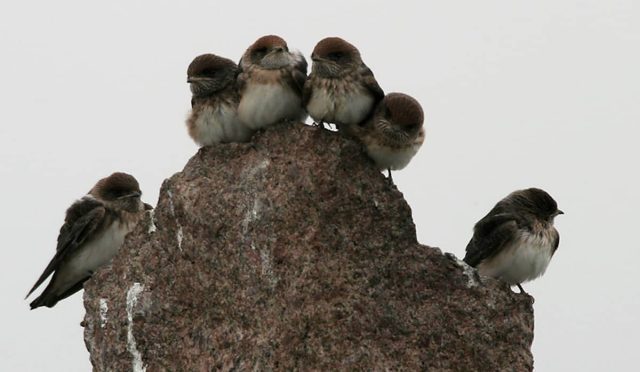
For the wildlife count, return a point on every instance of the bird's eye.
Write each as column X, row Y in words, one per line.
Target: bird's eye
column 411, row 126
column 335, row 56
column 209, row 72
column 115, row 193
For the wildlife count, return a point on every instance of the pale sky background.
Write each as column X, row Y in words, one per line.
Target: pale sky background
column 516, row 93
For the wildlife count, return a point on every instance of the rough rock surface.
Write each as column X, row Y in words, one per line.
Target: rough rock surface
column 294, row 252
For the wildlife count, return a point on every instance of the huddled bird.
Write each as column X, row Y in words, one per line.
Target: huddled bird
column 94, row 229
column 270, row 83
column 394, row 133
column 515, row 241
column 340, row 89
column 214, row 103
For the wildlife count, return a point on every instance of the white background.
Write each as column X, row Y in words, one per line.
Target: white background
column 516, row 94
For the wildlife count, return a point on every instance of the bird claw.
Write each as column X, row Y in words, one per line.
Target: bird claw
column 390, row 178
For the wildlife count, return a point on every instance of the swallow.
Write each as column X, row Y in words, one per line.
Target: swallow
column 394, row 132
column 516, row 240
column 270, row 83
column 214, row 102
column 340, row 89
column 94, row 229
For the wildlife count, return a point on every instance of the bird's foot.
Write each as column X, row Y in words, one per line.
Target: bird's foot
column 320, row 124
column 390, row 178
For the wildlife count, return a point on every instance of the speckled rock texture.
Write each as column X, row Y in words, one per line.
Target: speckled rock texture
column 294, row 253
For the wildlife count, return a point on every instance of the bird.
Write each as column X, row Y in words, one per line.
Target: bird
column 394, row 132
column 270, row 83
column 340, row 89
column 214, row 104
column 516, row 240
column 94, row 229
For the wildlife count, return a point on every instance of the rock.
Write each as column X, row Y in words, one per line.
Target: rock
column 294, row 252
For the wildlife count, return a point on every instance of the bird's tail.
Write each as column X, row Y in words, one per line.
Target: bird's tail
column 45, row 299
column 50, row 296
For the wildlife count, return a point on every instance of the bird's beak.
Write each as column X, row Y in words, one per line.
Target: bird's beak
column 147, row 207
column 189, row 80
column 559, row 212
column 315, row 58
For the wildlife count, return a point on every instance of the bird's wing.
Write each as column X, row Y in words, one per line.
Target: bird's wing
column 241, row 81
column 298, row 73
column 307, row 90
column 371, row 83
column 556, row 241
column 83, row 218
column 490, row 234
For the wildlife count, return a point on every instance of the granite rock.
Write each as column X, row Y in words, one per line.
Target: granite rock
column 294, row 252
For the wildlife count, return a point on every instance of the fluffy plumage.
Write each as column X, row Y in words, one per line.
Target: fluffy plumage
column 341, row 89
column 93, row 231
column 394, row 133
column 515, row 241
column 270, row 83
column 214, row 103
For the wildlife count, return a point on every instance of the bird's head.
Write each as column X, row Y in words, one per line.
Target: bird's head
column 268, row 52
column 121, row 191
column 210, row 73
column 333, row 56
column 399, row 114
column 537, row 202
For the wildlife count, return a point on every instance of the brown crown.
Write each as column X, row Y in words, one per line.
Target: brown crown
column 403, row 109
column 209, row 62
column 535, row 200
column 330, row 45
column 268, row 42
column 117, row 183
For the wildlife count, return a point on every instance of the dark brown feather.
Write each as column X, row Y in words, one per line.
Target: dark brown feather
column 491, row 234
column 83, row 219
column 523, row 209
column 370, row 82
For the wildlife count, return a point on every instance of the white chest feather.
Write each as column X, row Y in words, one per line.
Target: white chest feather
column 392, row 158
column 262, row 105
column 347, row 108
column 524, row 260
column 216, row 124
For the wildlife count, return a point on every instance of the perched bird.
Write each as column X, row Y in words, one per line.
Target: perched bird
column 94, row 229
column 270, row 83
column 214, row 103
column 341, row 89
column 515, row 241
column 394, row 133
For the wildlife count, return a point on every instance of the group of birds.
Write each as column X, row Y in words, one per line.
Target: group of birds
column 270, row 85
column 514, row 242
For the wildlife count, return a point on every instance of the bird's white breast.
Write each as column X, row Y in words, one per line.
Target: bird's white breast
column 525, row 259
column 392, row 158
column 219, row 123
column 262, row 105
column 346, row 108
